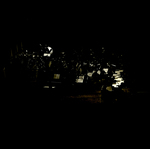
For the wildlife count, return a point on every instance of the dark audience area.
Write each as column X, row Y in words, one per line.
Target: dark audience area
column 73, row 66
column 29, row 76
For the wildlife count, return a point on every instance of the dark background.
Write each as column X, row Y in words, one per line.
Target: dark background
column 122, row 28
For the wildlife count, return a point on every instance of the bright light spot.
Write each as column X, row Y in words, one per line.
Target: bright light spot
column 94, row 71
column 98, row 72
column 106, row 70
column 91, row 64
column 37, row 55
column 118, row 83
column 84, row 63
column 24, row 54
column 114, row 85
column 49, row 48
column 26, row 50
column 47, row 54
column 115, row 75
column 53, row 86
column 117, row 71
column 118, row 79
column 79, row 80
column 89, row 74
column 33, row 55
column 62, row 52
column 81, row 77
column 45, row 86
column 56, row 76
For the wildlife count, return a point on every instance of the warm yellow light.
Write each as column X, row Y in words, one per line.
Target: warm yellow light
column 56, row 76
column 109, row 88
